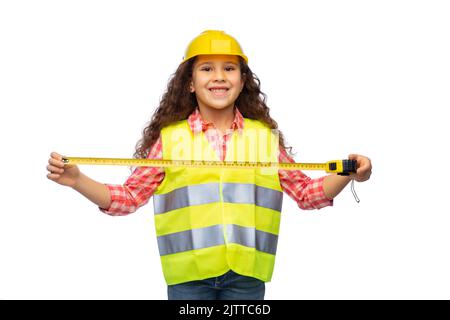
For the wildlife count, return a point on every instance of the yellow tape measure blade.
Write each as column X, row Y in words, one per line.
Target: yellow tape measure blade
column 337, row 166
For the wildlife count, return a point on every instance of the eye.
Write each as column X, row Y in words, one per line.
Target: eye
column 230, row 68
column 206, row 68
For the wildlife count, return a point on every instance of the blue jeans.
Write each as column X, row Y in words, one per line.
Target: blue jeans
column 229, row 286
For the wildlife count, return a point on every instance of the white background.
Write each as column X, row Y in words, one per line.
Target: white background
column 372, row 77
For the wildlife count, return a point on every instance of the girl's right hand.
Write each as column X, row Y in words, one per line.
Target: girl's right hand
column 66, row 175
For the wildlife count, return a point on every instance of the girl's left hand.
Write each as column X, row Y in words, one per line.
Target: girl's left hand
column 363, row 167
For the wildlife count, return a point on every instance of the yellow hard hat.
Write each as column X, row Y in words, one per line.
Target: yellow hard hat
column 213, row 42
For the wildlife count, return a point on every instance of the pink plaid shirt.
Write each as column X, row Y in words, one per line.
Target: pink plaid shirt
column 142, row 183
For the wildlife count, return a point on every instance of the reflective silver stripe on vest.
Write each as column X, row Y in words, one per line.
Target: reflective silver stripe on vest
column 213, row 236
column 250, row 193
column 250, row 237
column 209, row 193
column 187, row 196
column 191, row 240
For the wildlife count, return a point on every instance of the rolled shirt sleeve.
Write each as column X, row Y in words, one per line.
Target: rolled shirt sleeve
column 138, row 188
column 306, row 192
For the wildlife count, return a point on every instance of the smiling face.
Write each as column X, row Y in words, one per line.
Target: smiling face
column 216, row 81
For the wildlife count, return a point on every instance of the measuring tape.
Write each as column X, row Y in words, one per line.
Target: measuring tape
column 341, row 167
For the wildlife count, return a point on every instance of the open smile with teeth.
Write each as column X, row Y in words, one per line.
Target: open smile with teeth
column 219, row 91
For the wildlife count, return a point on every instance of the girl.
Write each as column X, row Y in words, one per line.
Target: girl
column 217, row 230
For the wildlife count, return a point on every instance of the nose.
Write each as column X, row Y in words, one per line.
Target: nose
column 219, row 75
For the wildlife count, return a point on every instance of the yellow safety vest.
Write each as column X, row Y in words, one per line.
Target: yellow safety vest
column 209, row 221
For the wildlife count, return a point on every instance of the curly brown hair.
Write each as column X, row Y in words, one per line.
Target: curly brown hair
column 178, row 103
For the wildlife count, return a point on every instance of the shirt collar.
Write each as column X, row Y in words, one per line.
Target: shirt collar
column 197, row 124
